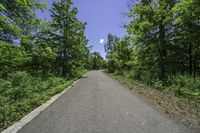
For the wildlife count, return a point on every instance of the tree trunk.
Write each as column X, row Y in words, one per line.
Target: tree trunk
column 190, row 59
column 195, row 65
column 162, row 51
column 64, row 69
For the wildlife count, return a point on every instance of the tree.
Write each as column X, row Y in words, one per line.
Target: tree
column 163, row 40
column 151, row 29
column 110, row 49
column 187, row 32
column 97, row 61
column 17, row 19
column 68, row 36
column 18, row 24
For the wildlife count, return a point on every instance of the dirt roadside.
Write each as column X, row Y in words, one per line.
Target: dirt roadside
column 185, row 111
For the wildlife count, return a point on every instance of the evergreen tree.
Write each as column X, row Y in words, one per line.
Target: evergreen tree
column 68, row 35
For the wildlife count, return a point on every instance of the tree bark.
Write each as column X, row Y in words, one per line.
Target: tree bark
column 190, row 59
column 162, row 50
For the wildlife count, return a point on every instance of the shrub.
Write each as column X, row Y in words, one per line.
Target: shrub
column 20, row 86
column 12, row 58
column 185, row 85
column 158, row 84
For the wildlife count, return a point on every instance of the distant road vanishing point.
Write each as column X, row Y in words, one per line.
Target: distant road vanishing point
column 98, row 104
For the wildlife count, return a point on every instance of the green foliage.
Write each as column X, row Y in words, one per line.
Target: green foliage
column 96, row 62
column 56, row 46
column 163, row 41
column 38, row 58
column 68, row 34
column 187, row 11
column 185, row 85
column 19, row 17
column 12, row 57
column 22, row 92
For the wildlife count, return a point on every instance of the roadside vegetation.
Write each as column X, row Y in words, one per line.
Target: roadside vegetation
column 160, row 50
column 22, row 92
column 39, row 57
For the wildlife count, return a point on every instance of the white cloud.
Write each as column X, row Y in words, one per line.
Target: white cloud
column 101, row 41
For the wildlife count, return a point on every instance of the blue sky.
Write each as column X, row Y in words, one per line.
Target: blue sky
column 102, row 17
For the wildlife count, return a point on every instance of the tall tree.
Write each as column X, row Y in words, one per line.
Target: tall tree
column 96, row 61
column 68, row 35
column 110, row 49
column 187, row 32
column 151, row 28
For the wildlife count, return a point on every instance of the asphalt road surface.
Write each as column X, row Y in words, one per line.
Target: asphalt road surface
column 98, row 104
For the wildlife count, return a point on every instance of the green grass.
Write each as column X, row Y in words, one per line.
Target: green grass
column 22, row 92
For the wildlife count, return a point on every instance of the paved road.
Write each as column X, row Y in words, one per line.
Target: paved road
column 98, row 104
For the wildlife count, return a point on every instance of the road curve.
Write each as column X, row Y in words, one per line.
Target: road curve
column 98, row 104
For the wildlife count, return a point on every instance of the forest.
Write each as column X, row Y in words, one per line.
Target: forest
column 162, row 46
column 40, row 58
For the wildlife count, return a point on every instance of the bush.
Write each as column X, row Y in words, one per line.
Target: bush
column 22, row 92
column 12, row 58
column 158, row 84
column 185, row 85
